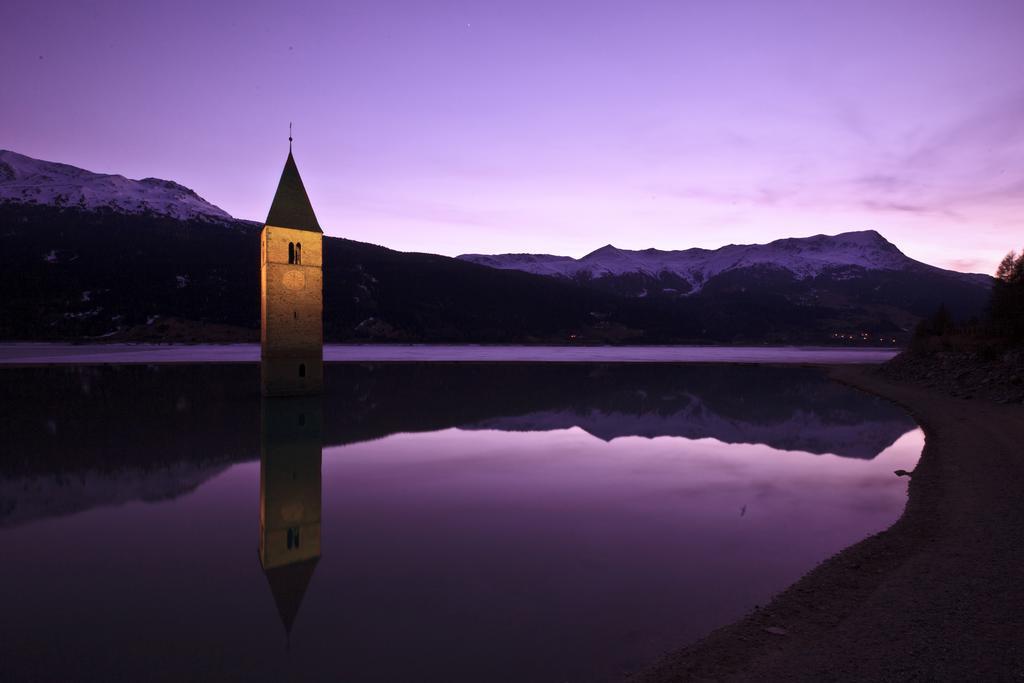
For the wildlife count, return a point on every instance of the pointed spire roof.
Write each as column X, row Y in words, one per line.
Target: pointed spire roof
column 288, row 584
column 291, row 207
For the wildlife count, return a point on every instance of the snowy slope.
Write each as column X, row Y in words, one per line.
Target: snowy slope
column 804, row 257
column 31, row 181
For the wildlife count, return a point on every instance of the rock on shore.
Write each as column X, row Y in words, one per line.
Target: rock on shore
column 994, row 375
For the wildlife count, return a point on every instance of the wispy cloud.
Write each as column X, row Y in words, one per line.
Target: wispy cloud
column 976, row 159
column 986, row 134
column 919, row 209
column 968, row 265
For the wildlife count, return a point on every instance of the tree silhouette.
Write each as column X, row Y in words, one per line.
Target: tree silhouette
column 936, row 325
column 1007, row 307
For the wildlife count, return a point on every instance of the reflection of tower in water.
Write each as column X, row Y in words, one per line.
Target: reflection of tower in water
column 290, row 445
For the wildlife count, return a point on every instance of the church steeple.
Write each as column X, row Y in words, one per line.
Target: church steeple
column 291, row 292
column 291, row 207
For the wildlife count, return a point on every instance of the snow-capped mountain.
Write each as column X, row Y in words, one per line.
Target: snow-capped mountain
column 64, row 273
column 687, row 271
column 32, row 181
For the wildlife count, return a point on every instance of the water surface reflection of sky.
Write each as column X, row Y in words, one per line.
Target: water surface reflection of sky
column 542, row 523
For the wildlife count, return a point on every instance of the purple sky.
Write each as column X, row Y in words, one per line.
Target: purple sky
column 548, row 126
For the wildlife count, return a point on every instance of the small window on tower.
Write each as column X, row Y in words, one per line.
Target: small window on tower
column 291, row 252
column 302, row 369
column 298, row 252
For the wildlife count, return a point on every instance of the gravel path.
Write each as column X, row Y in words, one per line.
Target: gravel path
column 939, row 596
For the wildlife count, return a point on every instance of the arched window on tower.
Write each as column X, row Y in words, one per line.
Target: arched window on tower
column 298, row 252
column 302, row 369
column 291, row 252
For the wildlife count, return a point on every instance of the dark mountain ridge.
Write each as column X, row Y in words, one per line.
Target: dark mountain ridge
column 74, row 274
column 103, row 267
column 857, row 278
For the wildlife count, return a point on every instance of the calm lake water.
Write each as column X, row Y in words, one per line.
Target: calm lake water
column 419, row 522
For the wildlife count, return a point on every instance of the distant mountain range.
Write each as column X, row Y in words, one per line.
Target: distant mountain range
column 89, row 255
column 683, row 273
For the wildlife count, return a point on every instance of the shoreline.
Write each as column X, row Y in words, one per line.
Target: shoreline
column 54, row 354
column 936, row 596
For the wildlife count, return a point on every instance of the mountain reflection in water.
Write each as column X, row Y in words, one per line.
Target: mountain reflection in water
column 420, row 521
column 156, row 432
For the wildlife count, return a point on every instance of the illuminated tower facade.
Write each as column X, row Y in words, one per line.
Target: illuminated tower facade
column 291, row 291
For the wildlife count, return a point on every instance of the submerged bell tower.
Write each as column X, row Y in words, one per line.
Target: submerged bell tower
column 291, row 291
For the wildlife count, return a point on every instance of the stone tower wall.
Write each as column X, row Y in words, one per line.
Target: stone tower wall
column 291, row 303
